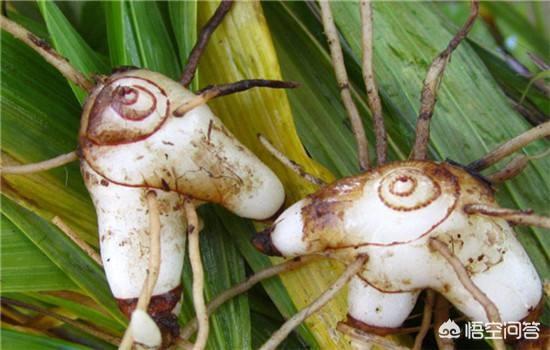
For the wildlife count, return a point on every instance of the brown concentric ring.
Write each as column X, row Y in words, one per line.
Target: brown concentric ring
column 424, row 203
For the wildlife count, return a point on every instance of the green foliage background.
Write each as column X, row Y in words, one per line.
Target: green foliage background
column 40, row 117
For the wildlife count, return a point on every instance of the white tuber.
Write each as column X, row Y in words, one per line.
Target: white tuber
column 390, row 213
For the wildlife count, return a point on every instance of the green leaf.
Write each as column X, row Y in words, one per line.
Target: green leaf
column 241, row 231
column 224, row 267
column 320, row 118
column 138, row 36
column 80, row 268
column 24, row 267
column 82, row 309
column 515, row 85
column 16, row 340
column 70, row 44
column 183, row 17
column 152, row 38
column 40, row 120
column 90, row 23
column 453, row 15
column 541, row 75
column 519, row 35
column 120, row 35
column 264, row 327
column 483, row 42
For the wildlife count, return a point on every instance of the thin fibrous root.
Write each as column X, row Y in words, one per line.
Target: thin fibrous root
column 198, row 274
column 182, row 344
column 538, row 61
column 154, row 252
column 280, row 335
column 373, row 98
column 49, row 164
column 411, row 330
column 462, row 274
column 343, row 82
column 57, row 221
column 514, row 167
column 153, row 268
column 214, row 91
column 426, row 319
column 431, row 86
column 202, row 40
column 48, row 53
column 191, row 327
column 441, row 314
column 368, row 338
column 511, row 146
column 76, row 324
column 520, row 217
column 289, row 163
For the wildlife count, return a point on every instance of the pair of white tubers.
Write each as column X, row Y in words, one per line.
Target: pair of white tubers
column 142, row 132
column 132, row 142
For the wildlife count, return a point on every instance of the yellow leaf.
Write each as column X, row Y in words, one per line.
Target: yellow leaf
column 241, row 48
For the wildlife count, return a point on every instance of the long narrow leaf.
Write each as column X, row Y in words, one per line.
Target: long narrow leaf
column 152, row 40
column 230, row 324
column 183, row 17
column 80, row 306
column 16, row 340
column 70, row 44
column 64, row 253
column 241, row 232
column 24, row 267
column 40, row 120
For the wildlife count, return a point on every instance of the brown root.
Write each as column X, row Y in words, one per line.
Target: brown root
column 198, row 274
column 191, row 327
column 519, row 217
column 77, row 240
column 511, row 146
column 48, row 53
column 373, row 98
column 76, row 324
column 441, row 314
column 343, row 82
column 462, row 274
column 153, row 268
column 289, row 163
column 202, row 40
column 426, row 319
column 49, row 164
column 277, row 337
column 213, row 91
column 431, row 86
column 366, row 338
column 512, row 169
